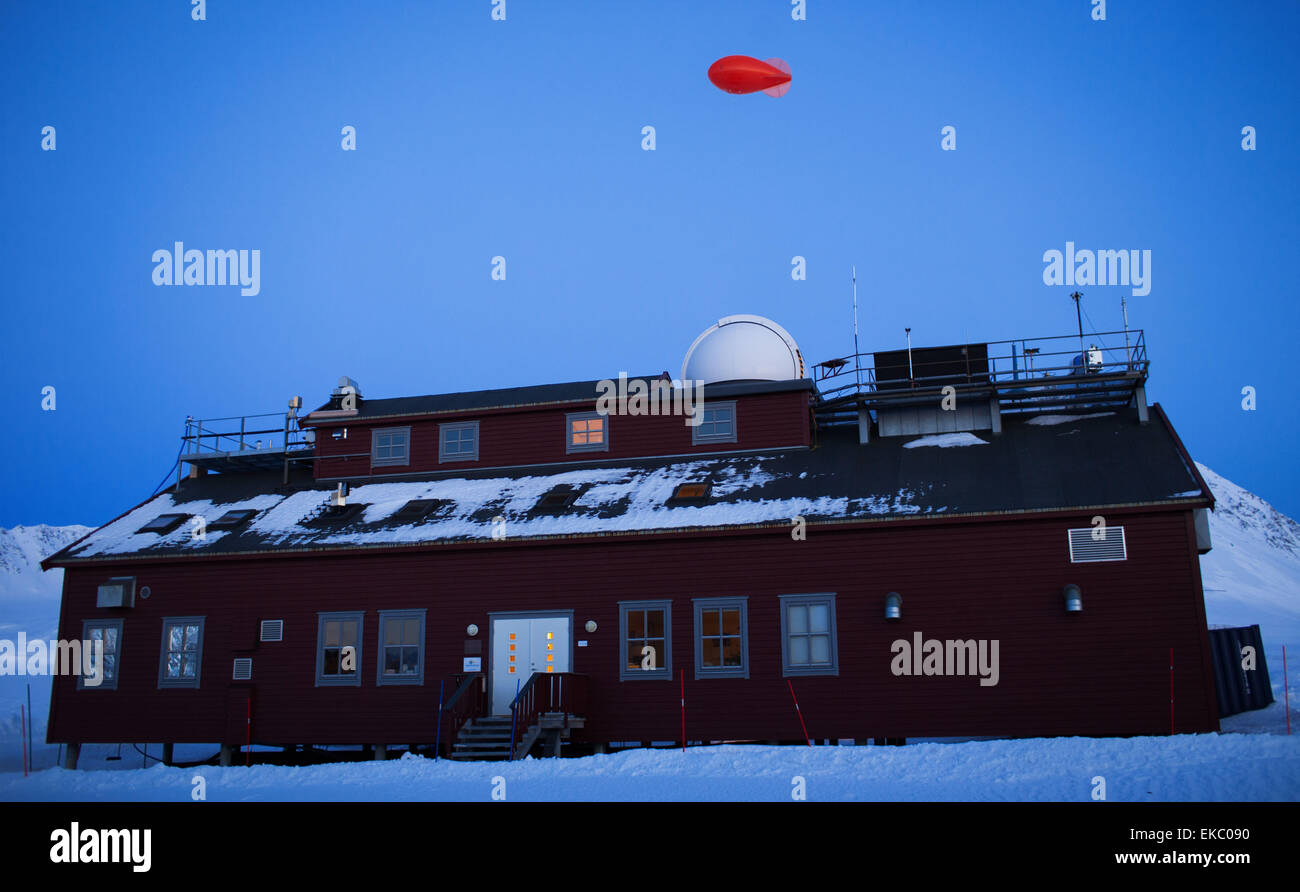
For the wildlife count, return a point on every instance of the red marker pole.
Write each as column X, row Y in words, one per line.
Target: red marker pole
column 682, row 676
column 799, row 711
column 248, row 754
column 1171, row 690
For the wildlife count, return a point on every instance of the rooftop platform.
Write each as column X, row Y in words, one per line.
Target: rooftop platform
column 1101, row 371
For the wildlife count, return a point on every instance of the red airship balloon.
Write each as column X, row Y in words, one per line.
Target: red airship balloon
column 743, row 74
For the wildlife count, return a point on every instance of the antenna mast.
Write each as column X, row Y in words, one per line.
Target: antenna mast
column 857, row 363
column 1078, row 315
column 1128, row 355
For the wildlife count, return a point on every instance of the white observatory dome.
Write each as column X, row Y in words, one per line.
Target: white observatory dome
column 743, row 348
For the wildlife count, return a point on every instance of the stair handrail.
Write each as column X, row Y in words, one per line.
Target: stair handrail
column 464, row 704
column 564, row 692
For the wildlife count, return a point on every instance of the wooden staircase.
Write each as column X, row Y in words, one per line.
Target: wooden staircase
column 485, row 738
column 549, row 706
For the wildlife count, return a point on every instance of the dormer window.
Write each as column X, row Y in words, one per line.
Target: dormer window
column 718, row 424
column 587, row 432
column 458, row 441
column 390, row 446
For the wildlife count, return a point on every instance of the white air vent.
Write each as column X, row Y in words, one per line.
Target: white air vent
column 243, row 669
column 117, row 592
column 272, row 630
column 1097, row 544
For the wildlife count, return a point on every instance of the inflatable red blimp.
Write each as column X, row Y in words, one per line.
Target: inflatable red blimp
column 743, row 74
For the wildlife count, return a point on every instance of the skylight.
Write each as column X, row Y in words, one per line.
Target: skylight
column 690, row 492
column 418, row 509
column 555, row 501
column 163, row 523
column 335, row 515
column 233, row 518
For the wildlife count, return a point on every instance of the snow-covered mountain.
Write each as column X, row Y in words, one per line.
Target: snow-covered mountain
column 1252, row 575
column 29, row 602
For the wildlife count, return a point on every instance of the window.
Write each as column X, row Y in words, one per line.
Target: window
column 182, row 652
column 587, row 432
column 110, row 632
column 556, row 501
column 641, row 625
column 719, row 424
column 689, row 494
column 401, row 647
column 417, row 510
column 1101, row 543
column 458, row 442
column 390, row 446
column 721, row 638
column 232, row 519
column 338, row 648
column 808, row 643
column 163, row 523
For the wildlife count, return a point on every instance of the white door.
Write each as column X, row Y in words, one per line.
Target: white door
column 521, row 647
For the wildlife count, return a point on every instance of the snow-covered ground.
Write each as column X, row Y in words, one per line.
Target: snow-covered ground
column 1251, row 576
column 1184, row 768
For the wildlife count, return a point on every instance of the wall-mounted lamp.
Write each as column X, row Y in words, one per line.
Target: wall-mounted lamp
column 1073, row 599
column 590, row 626
column 893, row 606
column 471, row 630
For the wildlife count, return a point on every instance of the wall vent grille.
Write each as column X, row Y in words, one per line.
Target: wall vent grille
column 1097, row 544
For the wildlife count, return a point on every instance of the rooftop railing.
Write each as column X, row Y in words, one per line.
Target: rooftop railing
column 1021, row 373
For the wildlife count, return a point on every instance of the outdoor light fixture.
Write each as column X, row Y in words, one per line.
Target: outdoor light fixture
column 591, row 625
column 471, row 630
column 1073, row 599
column 893, row 606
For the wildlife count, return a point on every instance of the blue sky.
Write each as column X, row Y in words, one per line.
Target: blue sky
column 522, row 138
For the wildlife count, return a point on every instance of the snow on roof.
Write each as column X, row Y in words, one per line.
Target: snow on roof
column 611, row 500
column 1064, row 419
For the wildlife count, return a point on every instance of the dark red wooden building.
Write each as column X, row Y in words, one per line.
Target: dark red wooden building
column 942, row 542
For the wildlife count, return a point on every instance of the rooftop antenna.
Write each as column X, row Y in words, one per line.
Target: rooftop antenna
column 1078, row 314
column 908, row 332
column 857, row 363
column 1128, row 356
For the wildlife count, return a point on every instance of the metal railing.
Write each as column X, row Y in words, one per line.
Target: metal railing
column 564, row 692
column 235, row 433
column 1024, row 365
column 469, row 701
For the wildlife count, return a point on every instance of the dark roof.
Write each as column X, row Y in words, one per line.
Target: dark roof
column 1079, row 463
column 537, row 395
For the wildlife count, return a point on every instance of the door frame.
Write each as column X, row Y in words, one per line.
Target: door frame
column 494, row 615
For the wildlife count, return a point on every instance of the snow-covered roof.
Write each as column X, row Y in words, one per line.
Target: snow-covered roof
column 1098, row 461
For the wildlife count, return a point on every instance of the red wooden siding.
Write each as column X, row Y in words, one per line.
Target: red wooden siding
column 1104, row 671
column 512, row 437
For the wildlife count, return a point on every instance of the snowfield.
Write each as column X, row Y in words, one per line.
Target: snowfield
column 1203, row 767
column 1251, row 576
